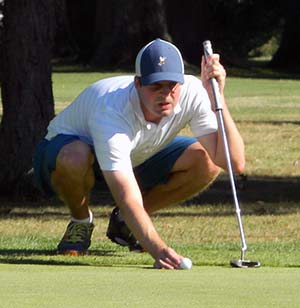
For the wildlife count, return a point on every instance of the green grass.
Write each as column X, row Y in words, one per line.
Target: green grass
column 263, row 100
column 67, row 86
column 267, row 114
column 208, row 234
column 32, row 275
column 45, row 286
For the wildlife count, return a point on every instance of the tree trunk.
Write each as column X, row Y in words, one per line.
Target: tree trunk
column 1, row 39
column 81, row 22
column 26, row 88
column 123, row 27
column 287, row 56
column 189, row 24
column 65, row 47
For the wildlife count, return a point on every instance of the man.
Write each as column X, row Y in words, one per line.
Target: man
column 129, row 125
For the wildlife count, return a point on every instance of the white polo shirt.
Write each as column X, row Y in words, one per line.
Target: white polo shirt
column 108, row 116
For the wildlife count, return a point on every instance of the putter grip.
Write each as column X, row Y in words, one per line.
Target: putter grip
column 213, row 82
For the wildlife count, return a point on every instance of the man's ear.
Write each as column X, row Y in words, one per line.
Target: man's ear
column 137, row 82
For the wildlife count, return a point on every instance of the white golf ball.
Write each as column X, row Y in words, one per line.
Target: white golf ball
column 186, row 263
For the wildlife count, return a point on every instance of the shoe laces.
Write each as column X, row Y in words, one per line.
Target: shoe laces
column 77, row 232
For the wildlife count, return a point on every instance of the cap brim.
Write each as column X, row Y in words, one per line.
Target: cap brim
column 163, row 76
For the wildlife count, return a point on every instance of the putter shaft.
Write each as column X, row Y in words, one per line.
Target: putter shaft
column 218, row 107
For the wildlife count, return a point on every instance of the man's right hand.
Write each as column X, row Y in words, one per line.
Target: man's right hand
column 168, row 259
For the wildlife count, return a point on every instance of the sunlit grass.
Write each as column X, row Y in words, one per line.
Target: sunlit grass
column 207, row 233
column 67, row 86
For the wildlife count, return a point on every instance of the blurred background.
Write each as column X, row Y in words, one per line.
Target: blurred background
column 109, row 33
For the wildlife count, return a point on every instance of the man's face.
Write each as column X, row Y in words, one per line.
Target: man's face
column 159, row 99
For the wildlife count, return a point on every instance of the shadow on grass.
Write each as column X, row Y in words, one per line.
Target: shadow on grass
column 253, row 189
column 31, row 261
column 32, row 256
column 250, row 68
column 38, row 213
column 258, row 195
column 35, row 257
column 275, row 123
column 254, row 68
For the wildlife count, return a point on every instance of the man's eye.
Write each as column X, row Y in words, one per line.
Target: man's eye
column 172, row 85
column 155, row 87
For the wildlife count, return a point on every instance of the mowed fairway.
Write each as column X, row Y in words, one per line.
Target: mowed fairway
column 77, row 286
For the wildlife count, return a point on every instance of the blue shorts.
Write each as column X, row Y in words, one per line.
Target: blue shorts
column 153, row 171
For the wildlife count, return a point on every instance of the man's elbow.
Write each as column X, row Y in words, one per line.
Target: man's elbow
column 239, row 166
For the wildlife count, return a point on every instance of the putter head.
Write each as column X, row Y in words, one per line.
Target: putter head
column 244, row 263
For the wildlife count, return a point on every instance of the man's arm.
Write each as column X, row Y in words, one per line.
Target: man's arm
column 214, row 142
column 127, row 195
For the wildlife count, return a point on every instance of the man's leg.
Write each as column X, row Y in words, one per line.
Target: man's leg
column 63, row 165
column 192, row 172
column 73, row 178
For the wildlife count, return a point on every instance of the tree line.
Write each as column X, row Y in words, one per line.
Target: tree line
column 107, row 34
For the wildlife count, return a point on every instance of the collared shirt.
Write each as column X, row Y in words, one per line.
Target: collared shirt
column 108, row 116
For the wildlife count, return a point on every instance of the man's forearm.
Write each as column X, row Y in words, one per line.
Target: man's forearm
column 139, row 222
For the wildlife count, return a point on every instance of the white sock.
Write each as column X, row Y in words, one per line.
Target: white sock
column 87, row 220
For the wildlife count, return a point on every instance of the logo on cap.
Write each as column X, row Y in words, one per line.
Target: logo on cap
column 162, row 60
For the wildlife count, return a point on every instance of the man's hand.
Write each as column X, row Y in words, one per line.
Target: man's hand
column 168, row 259
column 212, row 68
column 213, row 143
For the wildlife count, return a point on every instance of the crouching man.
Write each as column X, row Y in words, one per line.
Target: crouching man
column 126, row 128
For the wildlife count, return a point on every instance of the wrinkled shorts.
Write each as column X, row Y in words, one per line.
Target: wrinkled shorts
column 153, row 171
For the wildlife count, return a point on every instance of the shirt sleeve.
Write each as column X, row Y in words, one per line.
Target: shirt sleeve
column 203, row 120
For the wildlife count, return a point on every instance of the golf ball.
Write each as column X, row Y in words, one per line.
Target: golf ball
column 186, row 263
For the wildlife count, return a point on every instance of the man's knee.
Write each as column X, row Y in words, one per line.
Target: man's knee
column 198, row 162
column 75, row 158
column 205, row 168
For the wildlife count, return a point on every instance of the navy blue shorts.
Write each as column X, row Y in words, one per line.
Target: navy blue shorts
column 153, row 171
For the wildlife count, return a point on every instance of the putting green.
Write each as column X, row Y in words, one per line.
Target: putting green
column 87, row 286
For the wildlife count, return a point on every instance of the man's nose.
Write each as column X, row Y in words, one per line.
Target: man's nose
column 167, row 89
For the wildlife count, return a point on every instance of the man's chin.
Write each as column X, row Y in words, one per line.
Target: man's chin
column 166, row 109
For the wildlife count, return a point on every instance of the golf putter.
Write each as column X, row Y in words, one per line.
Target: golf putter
column 242, row 263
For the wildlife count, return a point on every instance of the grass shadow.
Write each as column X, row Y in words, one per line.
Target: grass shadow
column 249, row 68
column 35, row 257
column 31, row 261
column 256, row 68
column 259, row 195
column 275, row 123
column 253, row 189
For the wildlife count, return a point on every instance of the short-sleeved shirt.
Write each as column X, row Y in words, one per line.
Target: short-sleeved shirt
column 108, row 116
